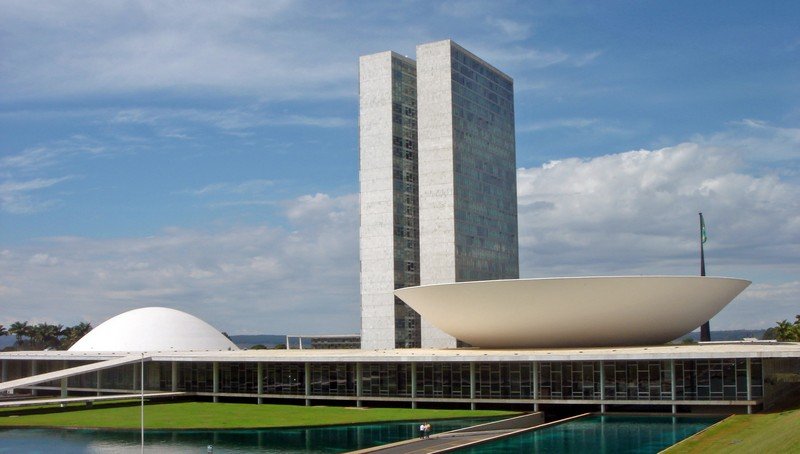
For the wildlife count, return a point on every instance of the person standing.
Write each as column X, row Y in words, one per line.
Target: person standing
column 422, row 430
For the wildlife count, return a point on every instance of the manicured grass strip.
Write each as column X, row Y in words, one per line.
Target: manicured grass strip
column 771, row 432
column 204, row 415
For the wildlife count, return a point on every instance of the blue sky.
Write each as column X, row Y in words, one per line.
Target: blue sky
column 204, row 155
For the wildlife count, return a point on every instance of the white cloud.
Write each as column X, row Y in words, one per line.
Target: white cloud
column 41, row 259
column 249, row 187
column 321, row 207
column 226, row 120
column 278, row 50
column 255, row 279
column 99, row 47
column 513, row 30
column 19, row 197
column 636, row 213
column 595, row 125
column 758, row 142
column 36, row 158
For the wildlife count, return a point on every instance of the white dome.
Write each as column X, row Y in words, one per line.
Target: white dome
column 153, row 329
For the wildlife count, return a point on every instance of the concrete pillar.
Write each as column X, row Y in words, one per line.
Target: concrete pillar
column 602, row 387
column 215, row 373
column 260, row 382
column 359, row 390
column 173, row 379
column 535, row 386
column 307, row 383
column 98, row 379
column 749, row 381
column 413, row 385
column 64, row 383
column 672, row 385
column 33, row 372
column 472, row 385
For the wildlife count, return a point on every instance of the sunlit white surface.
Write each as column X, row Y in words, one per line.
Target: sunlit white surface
column 572, row 312
column 153, row 329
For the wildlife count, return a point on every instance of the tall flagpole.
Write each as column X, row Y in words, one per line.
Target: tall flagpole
column 705, row 328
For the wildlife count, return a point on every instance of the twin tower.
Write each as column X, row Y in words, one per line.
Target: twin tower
column 438, row 184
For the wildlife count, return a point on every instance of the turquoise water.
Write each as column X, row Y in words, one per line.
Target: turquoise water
column 602, row 434
column 305, row 440
column 611, row 434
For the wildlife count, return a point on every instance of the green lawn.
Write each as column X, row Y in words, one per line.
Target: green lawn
column 204, row 415
column 770, row 432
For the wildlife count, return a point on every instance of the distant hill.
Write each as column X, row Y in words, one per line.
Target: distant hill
column 7, row 341
column 728, row 335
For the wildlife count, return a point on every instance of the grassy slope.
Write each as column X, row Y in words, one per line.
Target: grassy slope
column 771, row 432
column 202, row 415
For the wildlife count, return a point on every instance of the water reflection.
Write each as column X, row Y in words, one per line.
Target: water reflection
column 297, row 440
column 603, row 434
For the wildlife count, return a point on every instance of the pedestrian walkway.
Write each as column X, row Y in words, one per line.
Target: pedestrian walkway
column 455, row 439
column 69, row 372
column 87, row 399
column 437, row 443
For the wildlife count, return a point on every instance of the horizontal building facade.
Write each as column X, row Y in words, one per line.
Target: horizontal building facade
column 678, row 379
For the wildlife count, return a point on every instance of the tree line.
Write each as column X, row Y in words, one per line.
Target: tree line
column 44, row 336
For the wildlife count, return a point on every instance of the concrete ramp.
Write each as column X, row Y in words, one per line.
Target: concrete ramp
column 459, row 438
column 89, row 399
column 69, row 372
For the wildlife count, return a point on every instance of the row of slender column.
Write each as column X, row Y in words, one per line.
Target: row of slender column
column 359, row 384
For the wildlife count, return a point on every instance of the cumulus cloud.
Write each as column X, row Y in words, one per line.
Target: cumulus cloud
column 759, row 142
column 636, row 213
column 250, row 279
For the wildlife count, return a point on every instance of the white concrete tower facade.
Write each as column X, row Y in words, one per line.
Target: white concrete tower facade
column 467, row 172
column 389, row 231
column 438, row 183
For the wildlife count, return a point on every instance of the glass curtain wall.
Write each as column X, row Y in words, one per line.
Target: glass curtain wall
column 405, row 198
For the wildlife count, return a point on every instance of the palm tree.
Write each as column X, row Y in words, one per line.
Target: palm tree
column 3, row 331
column 52, row 335
column 82, row 329
column 36, row 336
column 784, row 332
column 20, row 330
column 74, row 334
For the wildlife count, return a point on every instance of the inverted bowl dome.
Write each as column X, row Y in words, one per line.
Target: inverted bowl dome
column 572, row 311
column 153, row 329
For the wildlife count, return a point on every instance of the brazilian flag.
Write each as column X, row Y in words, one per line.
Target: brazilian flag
column 703, row 236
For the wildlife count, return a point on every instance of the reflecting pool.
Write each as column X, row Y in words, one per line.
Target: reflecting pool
column 297, row 440
column 604, row 434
